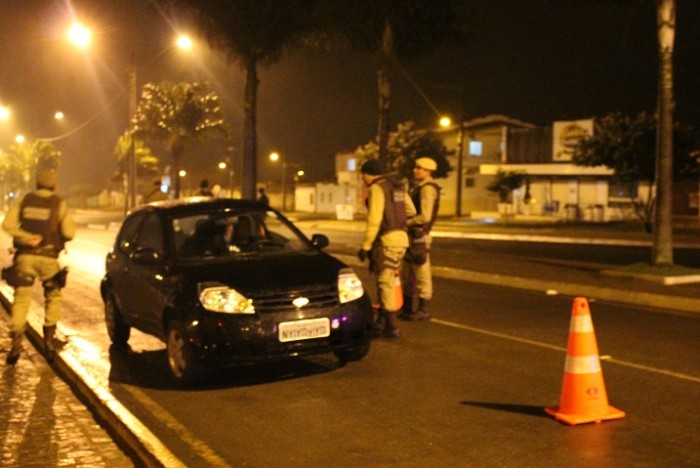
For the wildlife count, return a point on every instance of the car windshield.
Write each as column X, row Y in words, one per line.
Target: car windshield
column 230, row 233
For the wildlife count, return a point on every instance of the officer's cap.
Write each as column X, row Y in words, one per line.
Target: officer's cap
column 372, row 167
column 426, row 163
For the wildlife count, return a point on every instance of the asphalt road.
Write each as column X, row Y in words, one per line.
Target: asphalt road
column 466, row 389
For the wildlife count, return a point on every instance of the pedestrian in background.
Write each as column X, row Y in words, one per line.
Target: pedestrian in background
column 204, row 190
column 40, row 225
column 385, row 240
column 416, row 272
column 262, row 198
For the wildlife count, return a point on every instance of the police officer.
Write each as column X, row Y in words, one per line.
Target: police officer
column 40, row 225
column 386, row 240
column 426, row 197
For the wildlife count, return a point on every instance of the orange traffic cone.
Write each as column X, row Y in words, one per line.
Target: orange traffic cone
column 583, row 395
column 398, row 290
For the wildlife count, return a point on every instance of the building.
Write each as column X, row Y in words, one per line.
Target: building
column 555, row 187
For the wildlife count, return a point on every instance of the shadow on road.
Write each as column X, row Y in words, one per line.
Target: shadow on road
column 148, row 369
column 528, row 410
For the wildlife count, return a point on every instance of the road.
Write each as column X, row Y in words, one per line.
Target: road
column 466, row 389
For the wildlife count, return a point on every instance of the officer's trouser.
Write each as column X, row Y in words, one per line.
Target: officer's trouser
column 422, row 274
column 385, row 280
column 43, row 268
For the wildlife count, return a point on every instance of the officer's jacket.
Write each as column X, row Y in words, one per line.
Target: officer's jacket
column 426, row 198
column 389, row 206
column 44, row 213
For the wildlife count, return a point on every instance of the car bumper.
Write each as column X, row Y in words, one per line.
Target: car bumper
column 223, row 339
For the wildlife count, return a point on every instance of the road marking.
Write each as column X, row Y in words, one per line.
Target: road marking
column 540, row 344
column 198, row 446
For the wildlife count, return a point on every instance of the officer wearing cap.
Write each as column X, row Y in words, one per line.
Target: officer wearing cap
column 416, row 269
column 39, row 225
column 385, row 240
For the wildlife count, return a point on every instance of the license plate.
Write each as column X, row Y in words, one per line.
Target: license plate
column 304, row 329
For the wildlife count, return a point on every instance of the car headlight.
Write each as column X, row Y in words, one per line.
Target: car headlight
column 349, row 286
column 225, row 300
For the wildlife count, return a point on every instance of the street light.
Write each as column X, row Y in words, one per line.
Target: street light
column 274, row 157
column 81, row 36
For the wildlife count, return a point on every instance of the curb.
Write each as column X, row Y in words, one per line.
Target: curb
column 126, row 428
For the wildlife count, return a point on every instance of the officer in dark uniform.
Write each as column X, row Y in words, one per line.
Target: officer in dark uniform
column 40, row 225
column 385, row 240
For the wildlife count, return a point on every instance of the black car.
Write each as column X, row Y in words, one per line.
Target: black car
column 225, row 282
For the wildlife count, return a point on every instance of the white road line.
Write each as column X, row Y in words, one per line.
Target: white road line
column 540, row 344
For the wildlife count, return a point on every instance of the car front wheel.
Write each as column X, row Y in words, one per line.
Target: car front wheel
column 117, row 329
column 181, row 355
column 355, row 353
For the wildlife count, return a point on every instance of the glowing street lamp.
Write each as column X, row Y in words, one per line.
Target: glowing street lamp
column 445, row 121
column 4, row 113
column 79, row 35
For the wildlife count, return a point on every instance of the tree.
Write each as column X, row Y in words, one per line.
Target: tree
column 404, row 146
column 25, row 159
column 146, row 162
column 252, row 32
column 389, row 29
column 662, row 250
column 628, row 146
column 504, row 183
column 177, row 114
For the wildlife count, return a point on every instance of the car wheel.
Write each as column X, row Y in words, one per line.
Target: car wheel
column 117, row 329
column 181, row 355
column 354, row 353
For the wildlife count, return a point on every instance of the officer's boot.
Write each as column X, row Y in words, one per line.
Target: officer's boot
column 15, row 348
column 423, row 312
column 50, row 342
column 379, row 323
column 391, row 330
column 407, row 308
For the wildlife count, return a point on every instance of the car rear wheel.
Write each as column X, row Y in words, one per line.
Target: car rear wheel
column 354, row 353
column 181, row 355
column 117, row 329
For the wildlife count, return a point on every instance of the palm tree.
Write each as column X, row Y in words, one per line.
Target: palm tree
column 176, row 114
column 662, row 250
column 252, row 32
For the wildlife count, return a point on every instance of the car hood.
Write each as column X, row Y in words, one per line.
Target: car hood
column 249, row 273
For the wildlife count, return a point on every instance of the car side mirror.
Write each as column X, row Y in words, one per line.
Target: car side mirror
column 146, row 256
column 319, row 241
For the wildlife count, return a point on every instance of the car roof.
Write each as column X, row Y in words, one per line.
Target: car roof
column 184, row 206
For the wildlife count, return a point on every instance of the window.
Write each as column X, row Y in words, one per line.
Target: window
column 476, row 148
column 127, row 235
column 622, row 190
column 151, row 235
column 352, row 164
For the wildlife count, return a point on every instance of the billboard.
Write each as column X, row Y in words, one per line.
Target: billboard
column 566, row 135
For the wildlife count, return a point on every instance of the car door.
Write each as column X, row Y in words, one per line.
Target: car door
column 119, row 268
column 147, row 273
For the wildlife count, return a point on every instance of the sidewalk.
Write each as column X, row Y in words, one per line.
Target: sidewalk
column 42, row 422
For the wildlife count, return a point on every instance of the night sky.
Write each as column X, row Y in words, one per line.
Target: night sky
column 538, row 61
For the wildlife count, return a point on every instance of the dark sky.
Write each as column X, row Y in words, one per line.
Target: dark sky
column 538, row 61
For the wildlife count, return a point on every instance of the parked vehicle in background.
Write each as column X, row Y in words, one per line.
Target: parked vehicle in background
column 225, row 282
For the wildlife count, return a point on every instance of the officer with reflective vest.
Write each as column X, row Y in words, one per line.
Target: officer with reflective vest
column 416, row 269
column 39, row 225
column 386, row 240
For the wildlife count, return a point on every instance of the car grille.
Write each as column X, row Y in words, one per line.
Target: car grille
column 319, row 296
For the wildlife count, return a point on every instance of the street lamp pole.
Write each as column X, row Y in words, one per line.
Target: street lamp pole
column 132, row 147
column 460, row 150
